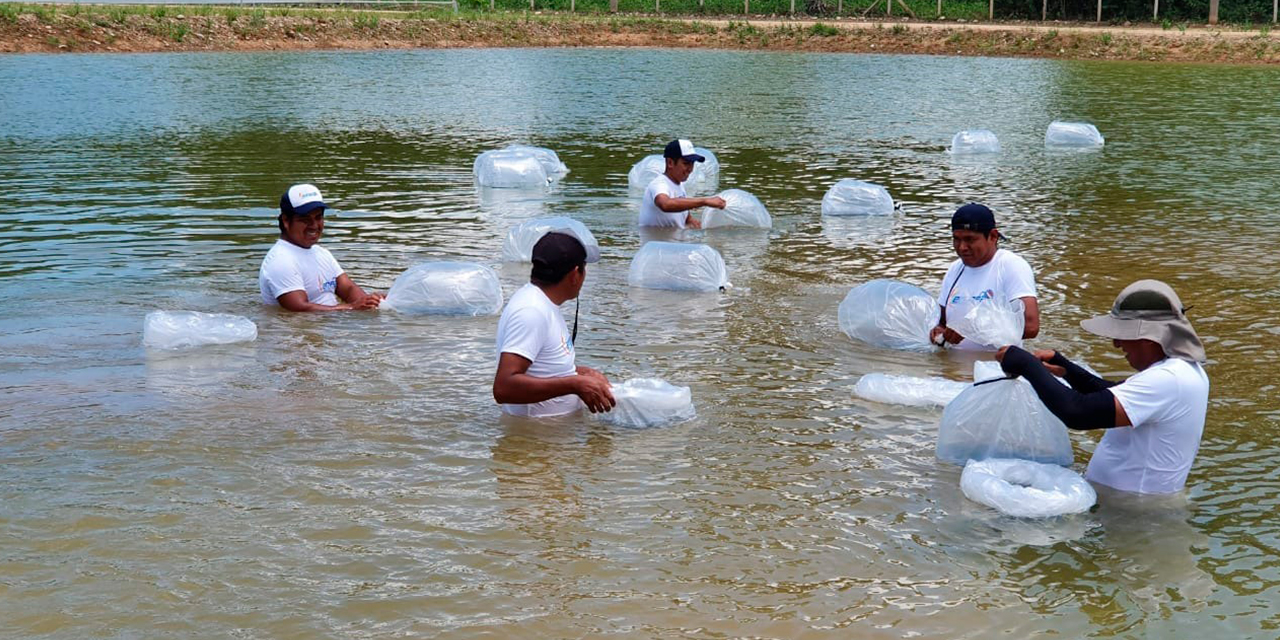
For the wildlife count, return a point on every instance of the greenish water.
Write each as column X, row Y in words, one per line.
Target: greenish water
column 349, row 476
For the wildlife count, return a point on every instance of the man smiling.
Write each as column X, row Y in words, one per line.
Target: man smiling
column 665, row 203
column 297, row 273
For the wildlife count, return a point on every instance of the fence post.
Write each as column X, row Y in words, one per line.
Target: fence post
column 793, row 7
column 840, row 7
column 939, row 13
column 746, row 7
column 1155, row 11
column 991, row 10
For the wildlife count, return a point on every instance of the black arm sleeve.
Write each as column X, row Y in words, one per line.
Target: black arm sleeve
column 1080, row 411
column 1080, row 379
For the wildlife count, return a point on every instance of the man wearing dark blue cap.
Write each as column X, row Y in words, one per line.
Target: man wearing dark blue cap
column 665, row 203
column 984, row 273
column 537, row 376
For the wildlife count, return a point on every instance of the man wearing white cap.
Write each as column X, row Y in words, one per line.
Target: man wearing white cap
column 299, row 274
column 665, row 203
column 1155, row 418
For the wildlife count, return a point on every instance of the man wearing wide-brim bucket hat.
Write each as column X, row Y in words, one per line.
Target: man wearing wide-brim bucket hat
column 1156, row 416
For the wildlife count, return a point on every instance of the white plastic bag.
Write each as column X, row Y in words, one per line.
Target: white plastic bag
column 992, row 324
column 1025, row 489
column 851, row 197
column 446, row 288
column 644, row 171
column 704, row 178
column 549, row 159
column 506, row 169
column 649, row 402
column 1002, row 418
column 518, row 246
column 1072, row 134
column 974, row 141
column 182, row 329
column 908, row 390
column 889, row 314
column 677, row 266
column 741, row 209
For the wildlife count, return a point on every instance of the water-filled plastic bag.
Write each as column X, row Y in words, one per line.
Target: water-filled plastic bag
column 992, row 323
column 704, row 178
column 181, row 329
column 446, row 288
column 649, row 402
column 518, row 246
column 908, row 390
column 644, row 171
column 1001, row 418
column 741, row 209
column 677, row 266
column 974, row 141
column 889, row 314
column 1026, row 489
column 506, row 169
column 851, row 197
column 549, row 159
column 1072, row 134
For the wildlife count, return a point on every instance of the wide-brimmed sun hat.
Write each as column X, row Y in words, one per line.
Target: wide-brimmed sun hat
column 1150, row 310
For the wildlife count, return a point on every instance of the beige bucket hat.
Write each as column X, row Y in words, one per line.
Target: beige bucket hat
column 1150, row 310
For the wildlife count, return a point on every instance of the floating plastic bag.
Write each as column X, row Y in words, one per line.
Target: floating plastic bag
column 851, row 197
column 908, row 390
column 704, row 178
column 518, row 246
column 549, row 160
column 677, row 266
column 741, row 209
column 974, row 141
column 992, row 324
column 446, row 288
column 1025, row 489
column 889, row 314
column 649, row 402
column 644, row 171
column 1001, row 419
column 507, row 169
column 1072, row 134
column 181, row 329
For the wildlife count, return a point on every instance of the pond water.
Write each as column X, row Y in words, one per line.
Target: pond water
column 349, row 476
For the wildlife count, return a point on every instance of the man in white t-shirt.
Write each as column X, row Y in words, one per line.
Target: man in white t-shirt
column 299, row 274
column 665, row 203
column 1155, row 418
column 537, row 376
column 984, row 273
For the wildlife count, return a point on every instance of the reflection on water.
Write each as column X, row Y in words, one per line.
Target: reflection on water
column 350, row 475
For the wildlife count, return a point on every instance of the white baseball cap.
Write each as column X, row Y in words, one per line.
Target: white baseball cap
column 301, row 199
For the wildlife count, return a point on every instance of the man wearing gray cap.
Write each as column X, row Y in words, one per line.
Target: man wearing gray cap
column 537, row 376
column 1154, row 418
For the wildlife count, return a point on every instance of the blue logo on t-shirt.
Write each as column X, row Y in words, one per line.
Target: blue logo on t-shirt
column 331, row 286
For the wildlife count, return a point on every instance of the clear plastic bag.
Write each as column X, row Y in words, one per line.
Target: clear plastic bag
column 506, row 169
column 1002, row 418
column 677, row 266
column 908, row 390
column 851, row 197
column 1072, row 134
column 741, row 209
column 992, row 324
column 649, row 402
column 518, row 246
column 446, row 288
column 889, row 314
column 1026, row 489
column 644, row 171
column 974, row 141
column 705, row 177
column 549, row 159
column 182, row 329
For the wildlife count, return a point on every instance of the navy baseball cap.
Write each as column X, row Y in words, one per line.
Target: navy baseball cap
column 558, row 252
column 301, row 199
column 682, row 149
column 975, row 217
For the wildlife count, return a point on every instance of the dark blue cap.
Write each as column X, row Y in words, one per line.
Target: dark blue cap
column 974, row 217
column 682, row 149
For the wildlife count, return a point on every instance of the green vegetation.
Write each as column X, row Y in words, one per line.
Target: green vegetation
column 823, row 30
column 8, row 12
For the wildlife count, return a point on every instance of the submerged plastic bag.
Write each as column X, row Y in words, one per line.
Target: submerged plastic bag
column 741, row 209
column 446, row 288
column 181, row 329
column 704, row 178
column 507, row 169
column 1001, row 418
column 974, row 141
column 677, row 266
column 851, row 197
column 1072, row 134
column 889, row 314
column 649, row 402
column 908, row 390
column 992, row 324
column 1025, row 489
column 518, row 246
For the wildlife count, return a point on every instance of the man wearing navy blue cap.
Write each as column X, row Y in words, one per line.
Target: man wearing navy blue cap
column 665, row 203
column 299, row 274
column 984, row 273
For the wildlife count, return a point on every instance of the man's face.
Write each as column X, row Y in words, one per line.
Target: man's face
column 974, row 248
column 1140, row 353
column 304, row 230
column 678, row 169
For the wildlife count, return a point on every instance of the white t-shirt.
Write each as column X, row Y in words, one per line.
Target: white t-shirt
column 1006, row 277
column 1166, row 403
column 289, row 267
column 651, row 215
column 531, row 327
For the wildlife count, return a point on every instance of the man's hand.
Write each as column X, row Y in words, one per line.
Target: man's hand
column 368, row 302
column 1044, row 356
column 715, row 202
column 692, row 222
column 594, row 390
column 940, row 334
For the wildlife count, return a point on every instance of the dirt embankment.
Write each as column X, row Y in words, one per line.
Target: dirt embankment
column 82, row 28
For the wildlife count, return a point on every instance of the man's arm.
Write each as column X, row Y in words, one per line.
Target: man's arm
column 676, row 205
column 351, row 292
column 947, row 334
column 1030, row 317
column 1098, row 409
column 513, row 385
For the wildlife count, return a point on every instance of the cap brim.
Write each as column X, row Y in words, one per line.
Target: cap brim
column 693, row 157
column 1109, row 326
column 308, row 208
